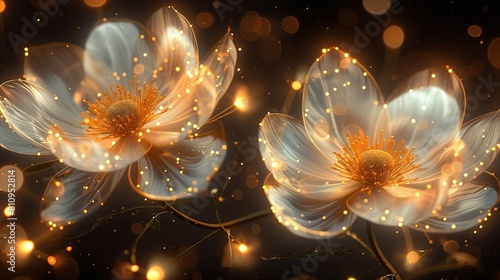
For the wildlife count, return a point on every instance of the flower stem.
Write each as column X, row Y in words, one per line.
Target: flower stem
column 228, row 224
column 378, row 252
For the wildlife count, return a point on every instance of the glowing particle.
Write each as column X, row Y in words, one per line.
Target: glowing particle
column 155, row 273
column 51, row 260
column 411, row 257
column 296, row 85
column 243, row 248
column 26, row 246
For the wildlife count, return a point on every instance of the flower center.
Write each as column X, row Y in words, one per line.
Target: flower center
column 381, row 163
column 376, row 165
column 123, row 115
column 119, row 112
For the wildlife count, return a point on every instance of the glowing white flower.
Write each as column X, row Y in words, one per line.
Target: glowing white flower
column 407, row 161
column 136, row 97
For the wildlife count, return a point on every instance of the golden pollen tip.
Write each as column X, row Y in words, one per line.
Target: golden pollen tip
column 376, row 165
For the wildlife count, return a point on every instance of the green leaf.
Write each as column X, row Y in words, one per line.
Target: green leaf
column 154, row 224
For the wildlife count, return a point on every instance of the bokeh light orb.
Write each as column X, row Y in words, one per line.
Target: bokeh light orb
column 494, row 52
column 290, row 24
column 393, row 37
column 204, row 19
column 474, row 30
column 376, row 7
column 95, row 3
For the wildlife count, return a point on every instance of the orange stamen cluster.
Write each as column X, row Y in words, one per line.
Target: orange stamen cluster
column 118, row 112
column 379, row 164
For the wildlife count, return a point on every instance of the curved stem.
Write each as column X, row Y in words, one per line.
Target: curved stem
column 231, row 223
column 378, row 252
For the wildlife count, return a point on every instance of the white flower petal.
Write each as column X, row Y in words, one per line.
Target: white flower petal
column 398, row 205
column 111, row 49
column 178, row 47
column 296, row 163
column 73, row 194
column 59, row 69
column 307, row 217
column 187, row 113
column 339, row 96
column 467, row 157
column 84, row 153
column 178, row 171
column 479, row 145
column 464, row 209
column 31, row 111
column 17, row 143
column 221, row 61
column 429, row 113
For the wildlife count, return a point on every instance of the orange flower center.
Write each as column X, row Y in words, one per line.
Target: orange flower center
column 379, row 164
column 119, row 112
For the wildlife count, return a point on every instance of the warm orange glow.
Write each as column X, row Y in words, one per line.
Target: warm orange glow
column 494, row 52
column 95, row 3
column 412, row 257
column 243, row 248
column 394, row 37
column 134, row 268
column 376, row 7
column 204, row 20
column 290, row 24
column 155, row 273
column 296, row 85
column 26, row 246
column 51, row 260
column 2, row 6
column 474, row 30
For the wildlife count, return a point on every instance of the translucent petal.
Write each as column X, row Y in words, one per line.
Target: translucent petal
column 59, row 69
column 221, row 61
column 114, row 48
column 73, row 194
column 296, row 163
column 465, row 208
column 467, row 157
column 426, row 117
column 14, row 142
column 178, row 47
column 339, row 96
column 398, row 205
column 479, row 145
column 187, row 113
column 31, row 111
column 92, row 155
column 178, row 171
column 305, row 216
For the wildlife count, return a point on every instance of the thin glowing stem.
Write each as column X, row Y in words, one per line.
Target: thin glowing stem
column 172, row 261
column 408, row 240
column 378, row 252
column 232, row 223
column 224, row 113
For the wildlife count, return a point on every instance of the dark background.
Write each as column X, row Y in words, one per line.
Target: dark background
column 435, row 34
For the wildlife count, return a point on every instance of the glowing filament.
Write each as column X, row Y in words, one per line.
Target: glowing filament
column 119, row 112
column 379, row 164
